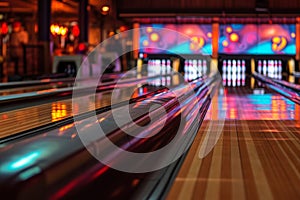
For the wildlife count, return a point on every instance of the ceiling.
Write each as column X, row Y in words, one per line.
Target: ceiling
column 68, row 9
column 59, row 8
column 167, row 8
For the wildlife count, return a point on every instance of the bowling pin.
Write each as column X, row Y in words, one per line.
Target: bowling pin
column 195, row 69
column 224, row 77
column 204, row 67
column 229, row 71
column 158, row 67
column 163, row 66
column 199, row 68
column 271, row 68
column 243, row 66
column 264, row 67
column 224, row 66
column 229, row 66
column 259, row 66
column 239, row 78
column 239, row 67
column 234, row 73
column 190, row 70
column 279, row 66
column 234, row 66
column 169, row 66
column 275, row 69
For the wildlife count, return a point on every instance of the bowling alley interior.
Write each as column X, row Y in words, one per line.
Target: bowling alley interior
column 150, row 99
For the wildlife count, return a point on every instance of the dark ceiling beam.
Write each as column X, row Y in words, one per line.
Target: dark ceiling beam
column 209, row 20
column 207, row 12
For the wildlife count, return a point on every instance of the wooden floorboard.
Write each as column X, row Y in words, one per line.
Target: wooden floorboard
column 23, row 119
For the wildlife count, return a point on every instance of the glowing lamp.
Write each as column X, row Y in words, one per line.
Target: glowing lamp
column 75, row 30
column 81, row 47
column 36, row 28
column 53, row 29
column 123, row 28
column 4, row 29
column 63, row 31
column 105, row 9
column 58, row 30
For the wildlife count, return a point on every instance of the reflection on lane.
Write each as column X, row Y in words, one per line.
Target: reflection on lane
column 249, row 106
column 35, row 116
column 34, row 88
column 258, row 142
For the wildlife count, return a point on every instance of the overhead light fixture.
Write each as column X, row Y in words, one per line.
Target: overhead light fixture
column 105, row 9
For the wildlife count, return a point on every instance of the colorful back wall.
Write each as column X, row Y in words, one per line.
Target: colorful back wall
column 257, row 39
column 179, row 39
column 263, row 39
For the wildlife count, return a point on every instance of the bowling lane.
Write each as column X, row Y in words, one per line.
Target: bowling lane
column 35, row 116
column 21, row 90
column 46, row 84
column 254, row 156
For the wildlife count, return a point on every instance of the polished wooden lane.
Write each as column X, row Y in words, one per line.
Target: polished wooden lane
column 21, row 90
column 48, row 84
column 256, row 155
column 16, row 121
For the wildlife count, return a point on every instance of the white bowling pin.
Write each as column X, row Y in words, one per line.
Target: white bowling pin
column 243, row 66
column 199, row 68
column 163, row 66
column 264, row 67
column 259, row 67
column 224, row 66
column 234, row 66
column 239, row 67
column 169, row 66
column 279, row 67
column 204, row 67
column 229, row 66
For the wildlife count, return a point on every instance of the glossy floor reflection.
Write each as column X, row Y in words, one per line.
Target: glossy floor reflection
column 34, row 116
column 255, row 155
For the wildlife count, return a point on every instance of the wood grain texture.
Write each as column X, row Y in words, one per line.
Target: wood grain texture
column 256, row 157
